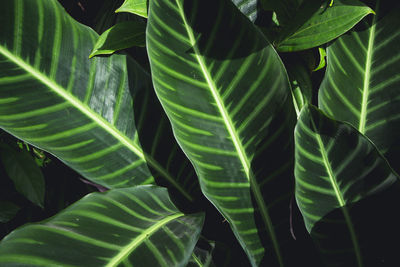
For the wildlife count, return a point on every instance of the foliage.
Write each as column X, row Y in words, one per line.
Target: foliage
column 222, row 110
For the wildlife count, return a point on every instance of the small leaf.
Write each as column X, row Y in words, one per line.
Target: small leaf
column 24, row 172
column 120, row 36
column 8, row 210
column 322, row 60
column 316, row 24
column 138, row 7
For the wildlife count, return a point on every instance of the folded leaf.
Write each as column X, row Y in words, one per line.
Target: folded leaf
column 316, row 24
column 137, row 7
column 227, row 100
column 136, row 226
column 362, row 83
column 335, row 166
column 122, row 35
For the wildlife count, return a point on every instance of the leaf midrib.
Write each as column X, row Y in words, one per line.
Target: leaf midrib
column 92, row 115
column 244, row 159
column 127, row 250
column 367, row 77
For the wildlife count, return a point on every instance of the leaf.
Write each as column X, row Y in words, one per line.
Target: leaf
column 80, row 110
column 120, row 36
column 335, row 166
column 137, row 7
column 362, row 83
column 316, row 24
column 136, row 226
column 322, row 61
column 285, row 10
column 202, row 256
column 248, row 8
column 24, row 172
column 224, row 99
column 8, row 210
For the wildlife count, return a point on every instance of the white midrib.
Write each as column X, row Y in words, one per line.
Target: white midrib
column 367, row 78
column 127, row 250
column 234, row 136
column 92, row 115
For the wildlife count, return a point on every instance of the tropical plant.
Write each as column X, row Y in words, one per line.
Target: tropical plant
column 224, row 112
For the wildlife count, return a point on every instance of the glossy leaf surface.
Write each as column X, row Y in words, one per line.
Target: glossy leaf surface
column 223, row 97
column 335, row 165
column 26, row 175
column 122, row 35
column 362, row 83
column 138, row 7
column 136, row 226
column 316, row 24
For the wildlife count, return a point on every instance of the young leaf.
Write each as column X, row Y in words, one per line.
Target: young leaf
column 24, row 172
column 316, row 24
column 137, row 7
column 361, row 85
column 120, row 36
column 136, row 226
column 228, row 101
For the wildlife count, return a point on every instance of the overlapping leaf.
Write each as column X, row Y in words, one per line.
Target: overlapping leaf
column 225, row 98
column 362, row 83
column 335, row 166
column 136, row 226
column 138, row 7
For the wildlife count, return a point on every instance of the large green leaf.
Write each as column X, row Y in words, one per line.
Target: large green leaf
column 362, row 82
column 335, row 167
column 316, row 24
column 137, row 7
column 225, row 98
column 80, row 110
column 136, row 226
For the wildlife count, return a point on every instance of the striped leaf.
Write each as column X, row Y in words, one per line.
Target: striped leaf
column 136, row 226
column 80, row 110
column 335, row 167
column 362, row 83
column 225, row 97
column 247, row 7
column 316, row 24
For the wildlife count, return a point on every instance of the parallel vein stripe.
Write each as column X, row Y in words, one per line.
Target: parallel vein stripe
column 117, row 259
column 72, row 100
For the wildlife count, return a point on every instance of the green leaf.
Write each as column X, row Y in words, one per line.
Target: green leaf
column 362, row 83
column 136, row 226
column 137, row 7
column 225, row 98
column 322, row 60
column 24, row 172
column 120, row 36
column 8, row 210
column 316, row 24
column 202, row 256
column 80, row 110
column 335, row 166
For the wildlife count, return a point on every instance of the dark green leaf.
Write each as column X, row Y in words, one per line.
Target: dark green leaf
column 24, row 172
column 7, row 211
